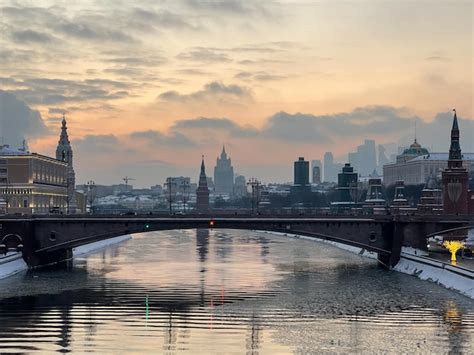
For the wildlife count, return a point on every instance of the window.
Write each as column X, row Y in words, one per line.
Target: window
column 3, row 170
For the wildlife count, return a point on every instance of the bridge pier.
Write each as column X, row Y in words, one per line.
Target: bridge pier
column 48, row 258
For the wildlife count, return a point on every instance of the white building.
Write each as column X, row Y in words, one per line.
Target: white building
column 418, row 169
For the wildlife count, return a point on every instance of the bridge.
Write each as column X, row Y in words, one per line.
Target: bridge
column 48, row 239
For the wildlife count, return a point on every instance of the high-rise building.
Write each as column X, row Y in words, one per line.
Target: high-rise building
column 383, row 160
column 240, row 186
column 329, row 173
column 202, row 192
column 301, row 189
column 367, row 157
column 224, row 175
column 347, row 184
column 316, row 171
column 364, row 160
column 64, row 153
column 301, row 172
column 455, row 177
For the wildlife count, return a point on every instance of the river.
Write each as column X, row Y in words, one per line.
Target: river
column 228, row 291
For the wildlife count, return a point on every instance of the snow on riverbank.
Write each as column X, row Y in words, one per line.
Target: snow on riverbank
column 452, row 277
column 13, row 263
column 352, row 249
column 414, row 262
column 96, row 246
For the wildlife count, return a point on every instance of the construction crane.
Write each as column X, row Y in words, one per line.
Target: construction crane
column 126, row 179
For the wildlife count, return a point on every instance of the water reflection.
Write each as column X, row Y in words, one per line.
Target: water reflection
column 229, row 291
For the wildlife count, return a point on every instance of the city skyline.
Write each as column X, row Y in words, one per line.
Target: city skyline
column 296, row 78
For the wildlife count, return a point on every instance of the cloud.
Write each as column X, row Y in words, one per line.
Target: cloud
column 30, row 36
column 228, row 7
column 18, row 121
column 212, row 91
column 258, row 76
column 93, row 31
column 437, row 58
column 100, row 143
column 204, row 55
column 175, row 139
column 162, row 19
column 215, row 124
column 45, row 91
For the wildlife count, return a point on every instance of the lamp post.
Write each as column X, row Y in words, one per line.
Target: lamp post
column 170, row 196
column 255, row 186
column 184, row 185
column 91, row 194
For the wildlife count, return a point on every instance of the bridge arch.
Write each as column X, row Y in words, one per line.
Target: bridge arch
column 11, row 242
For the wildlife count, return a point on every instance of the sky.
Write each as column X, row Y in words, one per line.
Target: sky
column 149, row 86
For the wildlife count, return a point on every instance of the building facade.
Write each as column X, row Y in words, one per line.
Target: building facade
column 316, row 171
column 347, row 185
column 301, row 172
column 224, row 175
column 240, row 186
column 31, row 183
column 420, row 169
column 416, row 165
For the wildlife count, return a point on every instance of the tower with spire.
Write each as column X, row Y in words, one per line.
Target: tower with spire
column 455, row 177
column 64, row 153
column 202, row 192
column 224, row 174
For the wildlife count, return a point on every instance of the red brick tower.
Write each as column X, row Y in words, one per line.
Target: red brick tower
column 202, row 192
column 455, row 177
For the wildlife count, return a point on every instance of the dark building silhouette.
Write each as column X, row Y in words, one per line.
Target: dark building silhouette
column 455, row 177
column 347, row 184
column 301, row 189
column 316, row 169
column 224, row 175
column 202, row 192
column 301, row 172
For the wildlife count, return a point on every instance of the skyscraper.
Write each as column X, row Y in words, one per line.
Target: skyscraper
column 316, row 171
column 330, row 170
column 224, row 175
column 301, row 189
column 202, row 192
column 240, row 186
column 64, row 153
column 347, row 184
column 301, row 172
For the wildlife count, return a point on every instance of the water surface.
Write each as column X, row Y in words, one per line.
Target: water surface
column 225, row 291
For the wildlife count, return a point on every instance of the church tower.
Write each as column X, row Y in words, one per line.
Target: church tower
column 202, row 192
column 455, row 177
column 64, row 153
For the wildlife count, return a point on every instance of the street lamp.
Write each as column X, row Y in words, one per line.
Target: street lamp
column 255, row 185
column 184, row 185
column 91, row 188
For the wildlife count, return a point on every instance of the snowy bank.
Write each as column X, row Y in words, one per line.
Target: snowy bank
column 96, row 246
column 352, row 249
column 11, row 264
column 452, row 277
